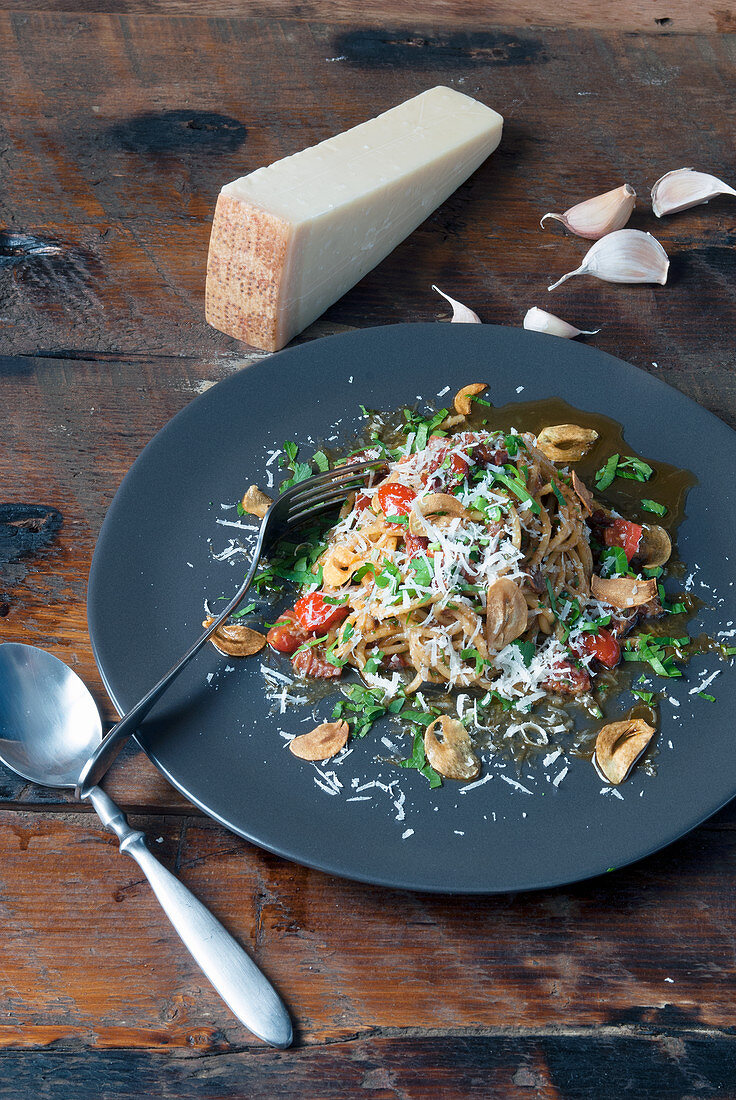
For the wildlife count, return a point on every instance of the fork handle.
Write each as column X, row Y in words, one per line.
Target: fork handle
column 110, row 746
column 232, row 972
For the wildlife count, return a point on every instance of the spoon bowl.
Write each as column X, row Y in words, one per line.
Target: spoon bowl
column 49, row 722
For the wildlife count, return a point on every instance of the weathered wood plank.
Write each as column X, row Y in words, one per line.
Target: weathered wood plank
column 660, row 17
column 471, row 1067
column 126, row 177
column 89, row 958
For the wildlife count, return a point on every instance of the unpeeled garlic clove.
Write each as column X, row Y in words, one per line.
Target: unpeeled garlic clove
column 538, row 320
column 460, row 313
column 626, row 256
column 600, row 215
column 683, row 188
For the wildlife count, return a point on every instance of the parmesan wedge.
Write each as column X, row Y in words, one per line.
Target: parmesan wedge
column 289, row 239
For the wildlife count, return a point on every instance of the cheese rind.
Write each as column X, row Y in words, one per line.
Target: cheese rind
column 289, row 239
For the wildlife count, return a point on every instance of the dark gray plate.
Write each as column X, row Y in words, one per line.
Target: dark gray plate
column 217, row 740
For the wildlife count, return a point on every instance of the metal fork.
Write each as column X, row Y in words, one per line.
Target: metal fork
column 300, row 504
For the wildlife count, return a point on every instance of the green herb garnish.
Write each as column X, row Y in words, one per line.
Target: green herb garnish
column 418, row 761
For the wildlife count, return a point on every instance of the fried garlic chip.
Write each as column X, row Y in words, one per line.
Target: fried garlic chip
column 463, row 398
column 507, row 614
column 655, row 546
column 322, row 742
column 449, row 750
column 618, row 747
column 565, row 442
column 236, row 640
column 623, row 592
column 256, row 502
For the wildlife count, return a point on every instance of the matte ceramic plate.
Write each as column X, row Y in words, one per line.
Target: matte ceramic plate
column 215, row 735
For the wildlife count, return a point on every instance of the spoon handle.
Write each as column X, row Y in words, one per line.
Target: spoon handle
column 233, row 974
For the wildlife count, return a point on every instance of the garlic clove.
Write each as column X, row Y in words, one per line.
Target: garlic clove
column 460, row 313
column 538, row 320
column 626, row 256
column 600, row 215
column 683, row 188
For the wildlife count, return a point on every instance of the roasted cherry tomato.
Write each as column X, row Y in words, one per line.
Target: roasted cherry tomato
column 311, row 663
column 459, row 465
column 624, row 533
column 415, row 544
column 574, row 680
column 313, row 615
column 604, row 647
column 395, row 499
column 285, row 635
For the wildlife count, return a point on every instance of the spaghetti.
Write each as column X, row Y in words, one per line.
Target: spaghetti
column 471, row 561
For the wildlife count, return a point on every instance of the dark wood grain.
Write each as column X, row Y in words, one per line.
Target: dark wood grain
column 119, row 122
column 641, row 16
column 97, row 961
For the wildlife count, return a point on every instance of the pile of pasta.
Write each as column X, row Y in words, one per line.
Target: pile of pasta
column 452, row 554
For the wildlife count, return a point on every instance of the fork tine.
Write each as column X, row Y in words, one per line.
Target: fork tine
column 348, row 485
column 309, row 489
column 312, row 508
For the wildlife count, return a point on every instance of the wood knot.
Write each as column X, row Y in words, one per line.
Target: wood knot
column 26, row 529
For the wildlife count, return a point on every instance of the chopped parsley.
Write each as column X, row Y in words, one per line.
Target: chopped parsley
column 629, row 467
column 527, row 650
column 418, row 761
column 613, row 562
column 652, row 649
column 652, row 506
column 300, row 471
column 516, row 486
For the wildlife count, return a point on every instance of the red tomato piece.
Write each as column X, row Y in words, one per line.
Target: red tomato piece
column 308, row 662
column 313, row 615
column 604, row 647
column 415, row 544
column 395, row 499
column 285, row 636
column 362, row 500
column 574, row 680
column 624, row 533
column 459, row 465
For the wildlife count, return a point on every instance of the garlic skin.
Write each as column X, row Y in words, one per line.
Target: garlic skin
column 600, row 215
column 460, row 314
column 683, row 188
column 626, row 256
column 538, row 320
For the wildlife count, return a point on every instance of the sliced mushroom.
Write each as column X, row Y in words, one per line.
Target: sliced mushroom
column 256, row 502
column 619, row 745
column 322, row 742
column 463, row 403
column 623, row 592
column 235, row 639
column 583, row 494
column 451, row 754
column 507, row 613
column 338, row 565
column 565, row 442
column 435, row 504
column 655, row 546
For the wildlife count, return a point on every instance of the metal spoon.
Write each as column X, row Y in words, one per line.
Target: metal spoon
column 49, row 726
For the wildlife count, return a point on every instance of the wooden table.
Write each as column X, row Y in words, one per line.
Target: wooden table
column 117, row 129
